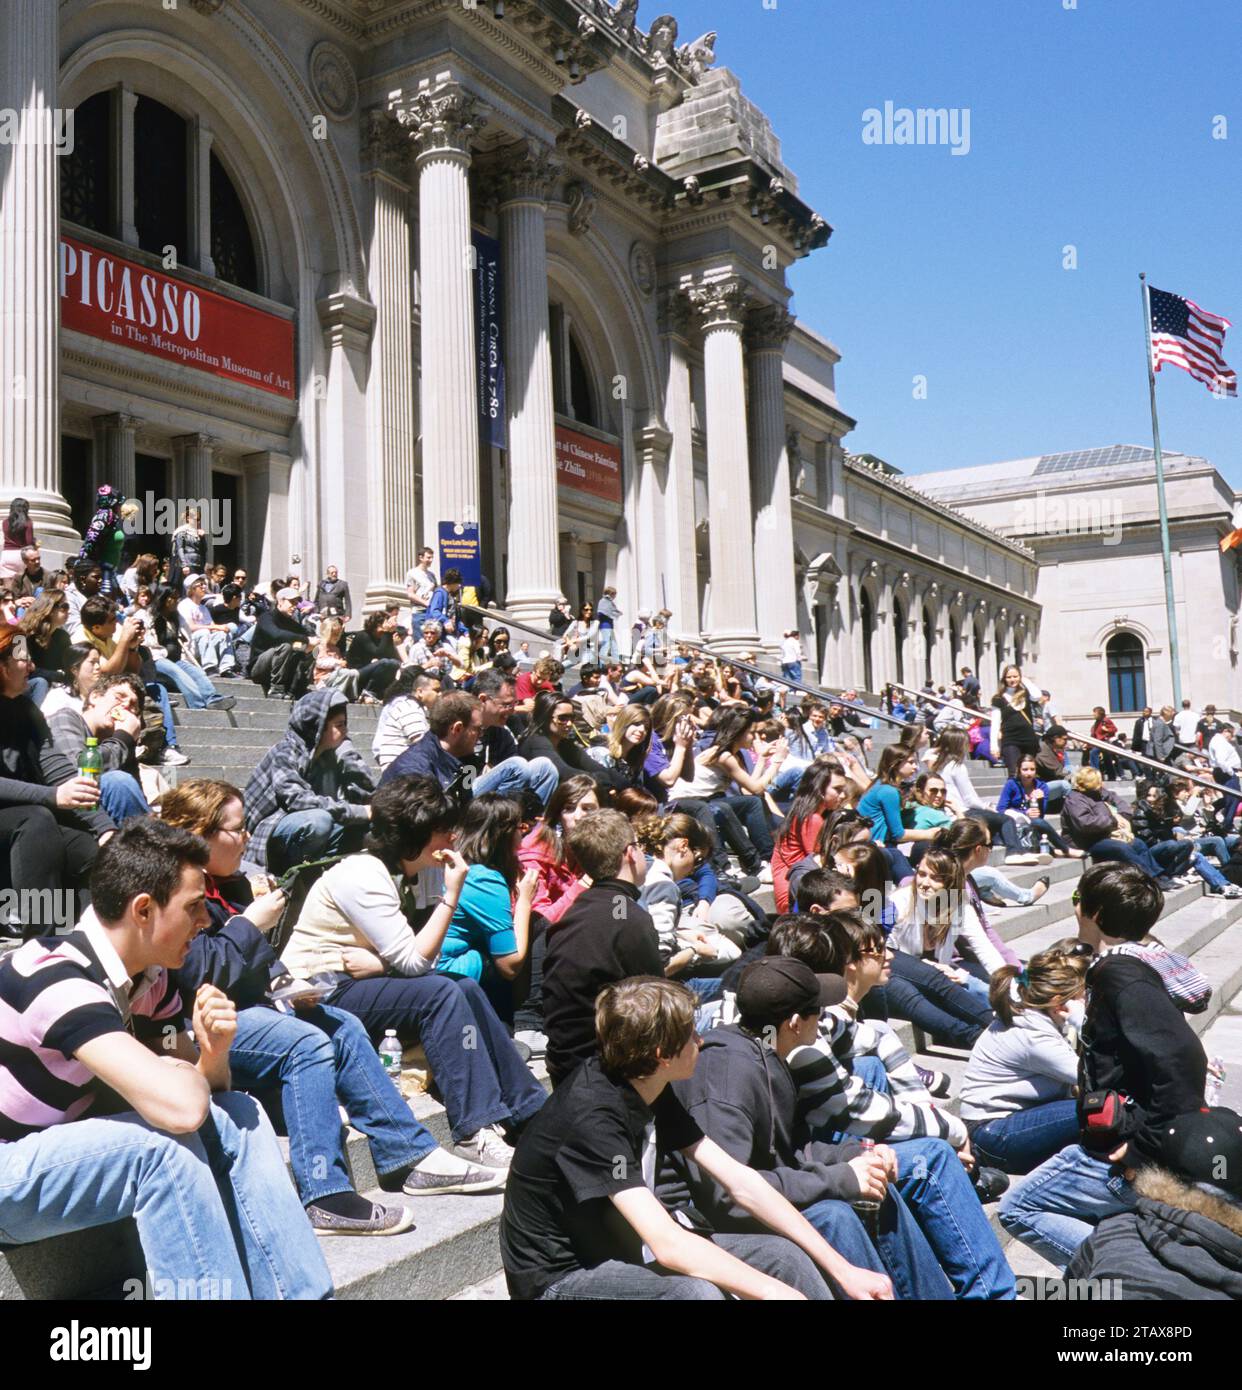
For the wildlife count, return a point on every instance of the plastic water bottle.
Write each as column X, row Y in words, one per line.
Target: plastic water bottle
column 867, row 1209
column 390, row 1054
column 1215, row 1082
column 90, row 761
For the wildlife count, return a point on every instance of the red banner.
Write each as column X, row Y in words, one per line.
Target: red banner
column 588, row 465
column 121, row 301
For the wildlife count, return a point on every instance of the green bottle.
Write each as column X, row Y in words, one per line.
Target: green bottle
column 90, row 763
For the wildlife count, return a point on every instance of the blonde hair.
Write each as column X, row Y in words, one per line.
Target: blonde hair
column 947, row 867
column 1057, row 973
column 1088, row 779
column 631, row 714
column 199, row 805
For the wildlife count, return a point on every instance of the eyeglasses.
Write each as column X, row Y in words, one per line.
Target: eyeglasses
column 878, row 952
column 562, row 718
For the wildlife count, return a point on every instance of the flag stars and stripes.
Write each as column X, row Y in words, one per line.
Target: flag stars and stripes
column 1189, row 337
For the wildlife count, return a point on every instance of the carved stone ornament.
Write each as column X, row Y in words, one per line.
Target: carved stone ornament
column 769, row 327
column 524, row 170
column 959, row 598
column 674, row 312
column 695, row 58
column 694, row 194
column 207, row 7
column 642, row 269
column 641, row 163
column 903, row 580
column 662, row 41
column 385, row 144
column 583, row 120
column 333, row 81
column 720, row 302
column 581, row 208
column 444, row 118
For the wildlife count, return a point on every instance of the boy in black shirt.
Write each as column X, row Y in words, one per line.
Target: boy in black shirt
column 581, row 1219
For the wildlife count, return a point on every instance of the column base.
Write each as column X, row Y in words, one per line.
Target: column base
column 53, row 526
column 732, row 643
column 384, row 595
column 532, row 608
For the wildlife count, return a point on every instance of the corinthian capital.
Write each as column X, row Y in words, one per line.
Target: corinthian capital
column 720, row 303
column 385, row 144
column 674, row 311
column 768, row 328
column 522, row 171
column 442, row 119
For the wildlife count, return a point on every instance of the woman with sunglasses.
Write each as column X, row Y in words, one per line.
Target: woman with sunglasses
column 550, row 734
column 963, row 800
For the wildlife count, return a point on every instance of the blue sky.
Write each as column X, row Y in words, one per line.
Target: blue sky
column 1090, row 127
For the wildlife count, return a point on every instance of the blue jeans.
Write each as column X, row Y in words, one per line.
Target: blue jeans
column 705, row 987
column 37, row 688
column 903, row 1252
column 1019, row 1142
column 931, row 1001
column 1215, row 844
column 155, row 691
column 478, row 1072
column 992, row 883
column 215, row 1210
column 1208, row 872
column 305, row 835
column 783, row 786
column 121, row 796
column 194, row 687
column 608, row 648
column 515, row 775
column 1057, row 790
column 1173, row 856
column 899, row 867
column 316, row 1058
column 1125, row 852
column 791, row 670
column 937, row 1189
column 1055, row 1208
column 213, row 649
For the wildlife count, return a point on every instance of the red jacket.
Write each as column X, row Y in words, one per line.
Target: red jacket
column 558, row 884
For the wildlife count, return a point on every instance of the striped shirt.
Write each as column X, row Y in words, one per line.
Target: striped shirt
column 56, row 995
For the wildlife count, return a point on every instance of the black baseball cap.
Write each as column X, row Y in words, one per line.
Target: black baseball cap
column 1205, row 1146
column 777, row 986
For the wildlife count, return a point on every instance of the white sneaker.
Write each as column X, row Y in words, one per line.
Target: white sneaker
column 765, row 874
column 174, row 757
column 486, row 1147
column 536, row 1041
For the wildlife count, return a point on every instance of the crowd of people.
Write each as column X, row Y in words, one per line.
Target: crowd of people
column 573, row 871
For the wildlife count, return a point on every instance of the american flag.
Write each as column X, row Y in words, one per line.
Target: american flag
column 1190, row 338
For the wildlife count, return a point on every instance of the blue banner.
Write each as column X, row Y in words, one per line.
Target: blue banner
column 459, row 550
column 489, row 344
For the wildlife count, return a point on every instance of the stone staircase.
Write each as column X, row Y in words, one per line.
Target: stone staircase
column 453, row 1251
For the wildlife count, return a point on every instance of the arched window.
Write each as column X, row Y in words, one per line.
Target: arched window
column 866, row 620
column 232, row 246
column 581, row 392
column 979, row 649
column 955, row 645
column 1127, row 672
column 899, row 640
column 929, row 642
column 86, row 173
column 161, row 168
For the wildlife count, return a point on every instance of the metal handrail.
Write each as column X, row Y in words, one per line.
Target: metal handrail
column 1085, row 739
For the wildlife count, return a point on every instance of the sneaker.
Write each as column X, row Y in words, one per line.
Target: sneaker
column 765, row 874
column 1231, row 890
column 174, row 757
column 487, row 1147
column 459, row 1175
column 532, row 1038
column 1018, row 859
column 383, row 1221
column 226, row 702
column 936, row 1082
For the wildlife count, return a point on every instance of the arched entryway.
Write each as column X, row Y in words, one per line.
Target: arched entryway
column 899, row 640
column 929, row 644
column 866, row 621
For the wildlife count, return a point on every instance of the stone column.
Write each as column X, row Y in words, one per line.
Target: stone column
column 442, row 118
column 775, row 591
column 114, row 452
column 199, row 136
column 721, row 307
column 125, row 99
column 194, row 455
column 266, row 483
column 680, row 556
column 29, row 282
column 391, row 405
column 522, row 183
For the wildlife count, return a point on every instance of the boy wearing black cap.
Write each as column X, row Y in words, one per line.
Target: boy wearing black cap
column 743, row 1096
column 581, row 1219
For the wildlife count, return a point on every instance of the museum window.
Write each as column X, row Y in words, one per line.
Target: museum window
column 899, row 640
column 929, row 643
column 1127, row 673
column 955, row 646
column 573, row 389
column 232, row 246
column 866, row 621
column 86, row 173
column 161, row 178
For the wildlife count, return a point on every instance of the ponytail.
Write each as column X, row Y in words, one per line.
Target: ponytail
column 1056, row 973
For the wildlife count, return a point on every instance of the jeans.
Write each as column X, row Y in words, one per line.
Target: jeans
column 791, row 670
column 783, row 786
column 317, row 1058
column 1229, row 807
column 305, row 835
column 608, row 649
column 1215, row 844
column 213, row 649
column 899, row 866
column 37, row 688
column 1039, row 826
column 742, row 824
column 121, row 796
column 156, row 692
column 900, row 1248
column 194, row 687
column 377, row 676
column 931, row 1001
column 1057, row 790
column 1019, row 1142
column 1208, row 872
column 516, row 775
column 1055, row 1208
column 615, row 1279
column 215, row 1212
column 991, row 883
column 1173, row 856
column 478, row 1072
column 1123, row 852
column 999, row 824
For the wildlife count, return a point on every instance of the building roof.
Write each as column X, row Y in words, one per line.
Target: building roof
column 1079, row 466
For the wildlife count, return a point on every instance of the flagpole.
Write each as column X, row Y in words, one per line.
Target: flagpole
column 1169, row 607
